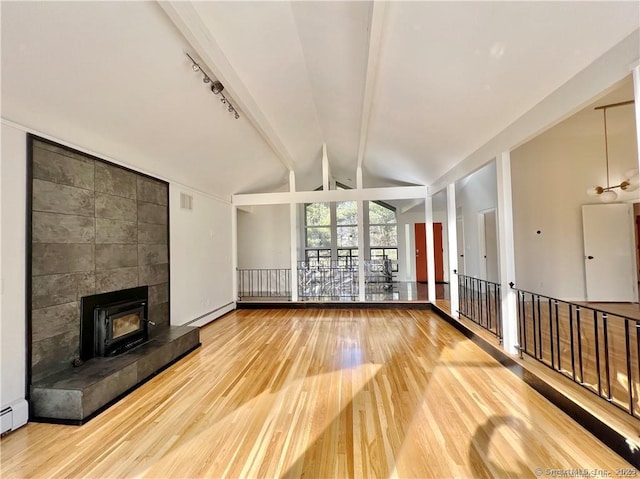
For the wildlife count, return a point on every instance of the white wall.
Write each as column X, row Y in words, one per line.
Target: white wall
column 550, row 176
column 202, row 273
column 476, row 193
column 264, row 239
column 12, row 257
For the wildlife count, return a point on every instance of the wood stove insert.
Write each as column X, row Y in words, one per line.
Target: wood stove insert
column 113, row 323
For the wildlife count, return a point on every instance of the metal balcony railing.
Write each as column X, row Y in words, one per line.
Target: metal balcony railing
column 479, row 301
column 264, row 283
column 594, row 348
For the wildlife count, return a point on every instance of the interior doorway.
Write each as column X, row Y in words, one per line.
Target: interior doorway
column 460, row 238
column 488, row 235
column 422, row 275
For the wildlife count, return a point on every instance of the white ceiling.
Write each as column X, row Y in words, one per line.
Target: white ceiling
column 445, row 78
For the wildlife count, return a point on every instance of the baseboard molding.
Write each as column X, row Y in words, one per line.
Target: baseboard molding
column 14, row 415
column 331, row 305
column 212, row 315
column 616, row 441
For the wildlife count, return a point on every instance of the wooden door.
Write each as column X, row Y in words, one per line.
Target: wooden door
column 421, row 253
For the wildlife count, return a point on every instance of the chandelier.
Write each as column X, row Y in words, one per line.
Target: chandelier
column 607, row 194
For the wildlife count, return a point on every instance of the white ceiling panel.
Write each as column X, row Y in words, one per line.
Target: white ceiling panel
column 260, row 40
column 454, row 74
column 334, row 38
column 113, row 77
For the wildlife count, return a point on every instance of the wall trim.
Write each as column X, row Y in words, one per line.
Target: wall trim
column 209, row 313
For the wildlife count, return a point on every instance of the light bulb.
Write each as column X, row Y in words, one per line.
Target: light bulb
column 608, row 196
column 594, row 191
column 631, row 173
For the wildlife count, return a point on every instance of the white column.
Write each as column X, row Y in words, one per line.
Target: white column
column 361, row 268
column 293, row 222
column 453, row 248
column 636, row 95
column 507, row 254
column 431, row 268
column 326, row 175
column 234, row 249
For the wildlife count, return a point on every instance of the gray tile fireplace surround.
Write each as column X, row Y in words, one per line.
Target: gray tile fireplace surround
column 73, row 397
column 93, row 227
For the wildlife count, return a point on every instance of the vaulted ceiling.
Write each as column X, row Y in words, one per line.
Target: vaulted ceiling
column 405, row 89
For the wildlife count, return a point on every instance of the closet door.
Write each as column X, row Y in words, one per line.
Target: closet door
column 609, row 253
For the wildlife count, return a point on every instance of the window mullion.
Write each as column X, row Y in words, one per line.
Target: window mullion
column 334, row 230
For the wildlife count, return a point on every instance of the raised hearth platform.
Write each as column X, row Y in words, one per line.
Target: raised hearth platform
column 75, row 396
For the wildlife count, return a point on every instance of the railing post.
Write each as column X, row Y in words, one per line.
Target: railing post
column 579, row 334
column 571, row 340
column 597, row 343
column 551, row 346
column 605, row 333
column 558, row 337
column 461, row 296
column 522, row 325
column 627, row 344
column 535, row 327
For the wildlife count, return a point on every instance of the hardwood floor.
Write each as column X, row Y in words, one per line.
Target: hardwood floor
column 319, row 393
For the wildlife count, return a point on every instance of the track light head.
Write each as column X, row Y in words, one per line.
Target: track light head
column 217, row 87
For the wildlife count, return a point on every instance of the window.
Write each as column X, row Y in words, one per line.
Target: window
column 317, row 232
column 347, row 224
column 318, row 257
column 383, row 233
column 348, row 258
column 324, row 236
column 331, row 233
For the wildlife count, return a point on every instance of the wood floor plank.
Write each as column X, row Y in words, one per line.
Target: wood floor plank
column 319, row 393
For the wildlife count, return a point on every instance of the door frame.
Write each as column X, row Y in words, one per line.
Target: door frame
column 462, row 265
column 482, row 243
column 438, row 255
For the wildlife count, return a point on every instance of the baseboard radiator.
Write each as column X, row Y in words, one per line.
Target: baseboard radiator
column 14, row 415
